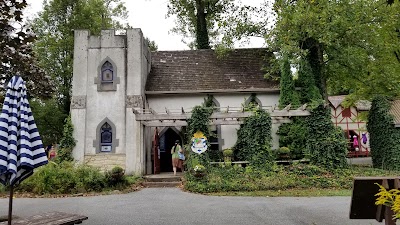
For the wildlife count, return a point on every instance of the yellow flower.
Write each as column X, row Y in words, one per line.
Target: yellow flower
column 199, row 134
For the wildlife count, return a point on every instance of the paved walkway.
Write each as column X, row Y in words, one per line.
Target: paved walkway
column 159, row 206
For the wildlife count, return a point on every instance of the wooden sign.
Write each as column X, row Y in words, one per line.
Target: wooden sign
column 199, row 143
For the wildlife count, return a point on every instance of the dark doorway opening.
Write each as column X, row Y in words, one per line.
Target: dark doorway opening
column 167, row 141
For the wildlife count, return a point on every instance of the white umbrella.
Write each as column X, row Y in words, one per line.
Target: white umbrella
column 21, row 149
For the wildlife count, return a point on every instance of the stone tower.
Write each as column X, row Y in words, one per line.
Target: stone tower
column 109, row 76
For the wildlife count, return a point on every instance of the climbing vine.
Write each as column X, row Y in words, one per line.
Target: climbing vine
column 254, row 139
column 287, row 95
column 384, row 137
column 67, row 142
column 294, row 136
column 326, row 144
column 199, row 121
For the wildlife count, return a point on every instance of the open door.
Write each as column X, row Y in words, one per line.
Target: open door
column 156, row 152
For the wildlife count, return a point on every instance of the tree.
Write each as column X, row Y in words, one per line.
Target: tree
column 49, row 126
column 198, row 18
column 347, row 43
column 16, row 54
column 384, row 137
column 152, row 45
column 55, row 43
column 287, row 92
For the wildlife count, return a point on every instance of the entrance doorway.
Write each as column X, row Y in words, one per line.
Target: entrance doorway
column 167, row 141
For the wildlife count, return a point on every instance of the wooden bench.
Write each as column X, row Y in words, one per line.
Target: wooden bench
column 363, row 199
column 50, row 218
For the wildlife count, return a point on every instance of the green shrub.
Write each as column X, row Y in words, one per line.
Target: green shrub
column 227, row 152
column 63, row 178
column 254, row 139
column 327, row 145
column 297, row 176
column 67, row 143
column 294, row 135
column 284, row 150
column 384, row 137
column 116, row 177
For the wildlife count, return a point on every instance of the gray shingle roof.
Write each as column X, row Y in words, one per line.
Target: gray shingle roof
column 201, row 70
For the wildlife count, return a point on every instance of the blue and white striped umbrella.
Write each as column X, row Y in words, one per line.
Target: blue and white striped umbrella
column 21, row 148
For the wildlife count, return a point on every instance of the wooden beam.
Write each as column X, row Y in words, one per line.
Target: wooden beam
column 135, row 111
column 219, row 115
column 152, row 111
column 303, row 107
column 181, row 123
column 290, row 113
column 287, row 108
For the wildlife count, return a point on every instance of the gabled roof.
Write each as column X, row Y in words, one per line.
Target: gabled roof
column 201, row 71
column 395, row 111
column 361, row 105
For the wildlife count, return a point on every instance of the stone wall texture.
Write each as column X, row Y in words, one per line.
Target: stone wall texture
column 106, row 161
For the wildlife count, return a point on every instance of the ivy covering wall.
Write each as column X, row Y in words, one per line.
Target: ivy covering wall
column 67, row 142
column 199, row 121
column 254, row 139
column 315, row 136
column 384, row 137
column 288, row 94
column 326, row 144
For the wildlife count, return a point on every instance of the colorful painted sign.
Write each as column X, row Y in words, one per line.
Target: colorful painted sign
column 199, row 143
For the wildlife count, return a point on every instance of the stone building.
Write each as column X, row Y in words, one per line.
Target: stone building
column 116, row 75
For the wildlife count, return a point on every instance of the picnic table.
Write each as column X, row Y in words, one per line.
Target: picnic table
column 50, row 218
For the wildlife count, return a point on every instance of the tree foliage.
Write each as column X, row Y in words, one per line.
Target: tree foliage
column 67, row 143
column 287, row 93
column 348, row 44
column 198, row 19
column 16, row 55
column 49, row 118
column 384, row 137
column 54, row 27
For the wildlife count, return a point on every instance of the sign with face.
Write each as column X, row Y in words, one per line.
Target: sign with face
column 199, row 143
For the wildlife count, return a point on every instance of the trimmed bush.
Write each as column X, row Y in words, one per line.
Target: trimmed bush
column 384, row 137
column 327, row 145
column 254, row 139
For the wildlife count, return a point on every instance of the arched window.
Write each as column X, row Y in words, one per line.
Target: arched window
column 106, row 138
column 253, row 102
column 107, row 76
column 107, row 72
column 106, row 141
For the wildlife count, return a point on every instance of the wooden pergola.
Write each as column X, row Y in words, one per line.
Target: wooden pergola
column 220, row 116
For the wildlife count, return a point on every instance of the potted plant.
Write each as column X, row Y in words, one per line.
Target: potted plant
column 284, row 153
column 228, row 154
column 199, row 171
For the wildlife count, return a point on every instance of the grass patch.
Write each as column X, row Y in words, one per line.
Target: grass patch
column 292, row 180
column 288, row 193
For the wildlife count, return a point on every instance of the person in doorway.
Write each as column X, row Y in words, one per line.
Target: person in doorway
column 176, row 161
column 52, row 153
column 355, row 143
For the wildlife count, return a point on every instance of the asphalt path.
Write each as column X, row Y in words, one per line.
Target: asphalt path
column 154, row 206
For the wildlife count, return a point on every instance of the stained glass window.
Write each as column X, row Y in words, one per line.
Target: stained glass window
column 107, row 72
column 106, row 138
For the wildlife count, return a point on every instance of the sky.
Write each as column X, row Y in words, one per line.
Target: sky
column 149, row 15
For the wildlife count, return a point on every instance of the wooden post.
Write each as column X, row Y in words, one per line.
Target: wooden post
column 10, row 204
